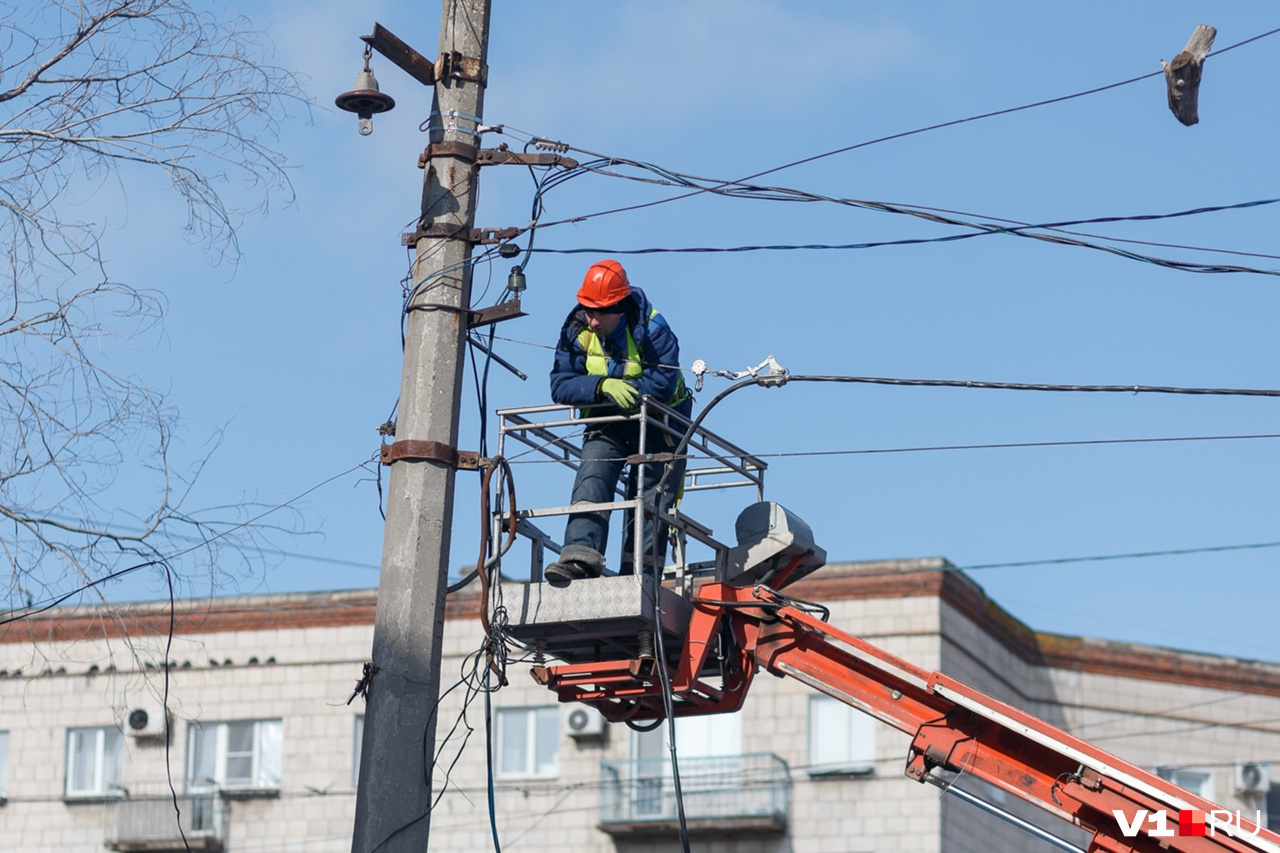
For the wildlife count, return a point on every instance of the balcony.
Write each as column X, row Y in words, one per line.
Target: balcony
column 151, row 823
column 722, row 794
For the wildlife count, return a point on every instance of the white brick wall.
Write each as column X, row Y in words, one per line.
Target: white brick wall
column 316, row 668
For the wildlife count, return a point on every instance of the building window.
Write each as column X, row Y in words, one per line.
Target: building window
column 708, row 736
column 4, row 767
column 529, row 741
column 95, row 762
column 842, row 741
column 358, row 746
column 717, row 780
column 709, row 749
column 243, row 755
column 1197, row 780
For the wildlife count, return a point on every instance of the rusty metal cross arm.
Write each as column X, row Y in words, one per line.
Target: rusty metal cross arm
column 450, row 65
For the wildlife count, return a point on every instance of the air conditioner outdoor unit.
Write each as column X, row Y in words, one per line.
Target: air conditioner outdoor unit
column 145, row 721
column 583, row 721
column 1252, row 778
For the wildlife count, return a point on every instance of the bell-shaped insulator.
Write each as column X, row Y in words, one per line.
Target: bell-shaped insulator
column 365, row 99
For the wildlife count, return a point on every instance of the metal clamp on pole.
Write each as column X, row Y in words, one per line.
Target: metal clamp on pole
column 460, row 150
column 438, row 230
column 508, row 310
column 452, row 65
column 454, row 231
column 430, row 451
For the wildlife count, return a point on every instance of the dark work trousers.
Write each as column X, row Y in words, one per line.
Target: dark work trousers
column 604, row 451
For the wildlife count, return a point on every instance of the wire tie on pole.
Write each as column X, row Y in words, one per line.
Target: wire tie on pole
column 366, row 679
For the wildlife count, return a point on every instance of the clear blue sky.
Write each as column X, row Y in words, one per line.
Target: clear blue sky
column 297, row 350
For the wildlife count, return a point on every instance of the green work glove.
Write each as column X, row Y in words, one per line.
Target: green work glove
column 621, row 392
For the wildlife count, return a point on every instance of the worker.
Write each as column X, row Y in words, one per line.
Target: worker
column 615, row 348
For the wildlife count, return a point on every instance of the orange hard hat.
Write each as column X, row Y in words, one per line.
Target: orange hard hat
column 605, row 284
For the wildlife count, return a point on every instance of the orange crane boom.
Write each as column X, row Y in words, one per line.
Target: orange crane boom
column 736, row 631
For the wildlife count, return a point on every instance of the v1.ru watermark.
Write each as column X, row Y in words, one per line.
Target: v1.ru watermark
column 1189, row 822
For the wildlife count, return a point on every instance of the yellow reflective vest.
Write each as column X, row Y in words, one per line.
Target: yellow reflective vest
column 597, row 361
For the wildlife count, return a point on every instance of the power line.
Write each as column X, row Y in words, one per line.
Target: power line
column 894, row 136
column 316, row 558
column 1087, row 442
column 740, row 189
column 1128, row 715
column 1258, row 725
column 980, row 230
column 1007, row 445
column 1243, row 43
column 1040, row 386
column 1107, row 237
column 35, row 609
column 1083, row 442
column 1133, row 555
column 991, row 385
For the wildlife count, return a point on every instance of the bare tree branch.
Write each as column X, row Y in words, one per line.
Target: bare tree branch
column 91, row 91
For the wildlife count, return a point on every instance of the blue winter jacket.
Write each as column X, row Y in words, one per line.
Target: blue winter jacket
column 571, row 385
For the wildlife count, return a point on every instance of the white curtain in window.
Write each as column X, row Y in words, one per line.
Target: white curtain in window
column 546, row 754
column 270, row 753
column 840, row 736
column 202, row 756
column 82, row 745
column 113, row 759
column 708, row 735
column 513, row 732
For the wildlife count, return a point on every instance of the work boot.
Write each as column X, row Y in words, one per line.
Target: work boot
column 576, row 562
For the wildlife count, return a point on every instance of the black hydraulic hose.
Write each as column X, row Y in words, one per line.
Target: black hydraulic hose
column 697, row 422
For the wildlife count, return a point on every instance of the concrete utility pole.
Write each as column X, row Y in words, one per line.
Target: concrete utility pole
column 393, row 797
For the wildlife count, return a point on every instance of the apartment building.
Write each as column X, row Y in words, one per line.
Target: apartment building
column 261, row 747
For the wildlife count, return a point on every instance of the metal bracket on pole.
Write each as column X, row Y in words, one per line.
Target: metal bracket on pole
column 455, row 231
column 452, row 65
column 508, row 310
column 495, row 235
column 502, row 156
column 409, row 60
column 430, row 451
column 442, row 230
column 460, row 150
